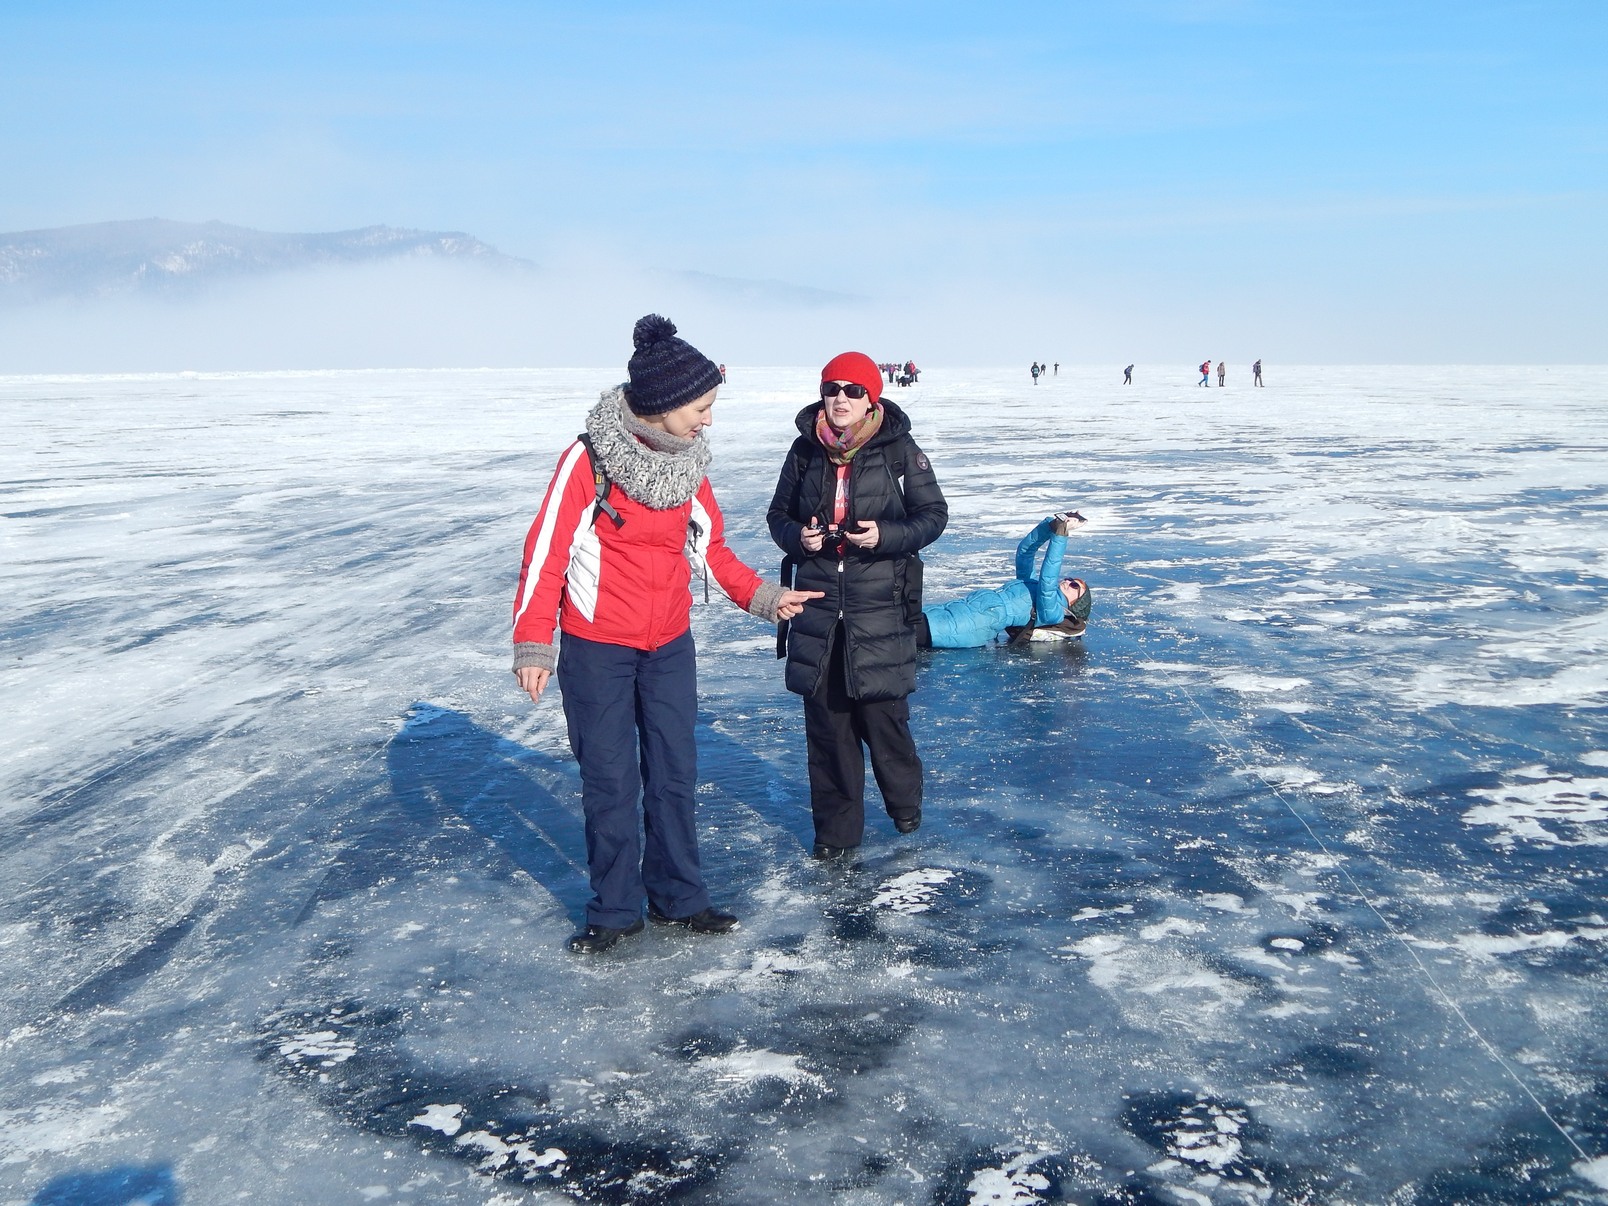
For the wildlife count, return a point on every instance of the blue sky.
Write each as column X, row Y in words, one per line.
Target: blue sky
column 1409, row 181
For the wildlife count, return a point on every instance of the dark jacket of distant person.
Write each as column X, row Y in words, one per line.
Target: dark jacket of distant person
column 875, row 593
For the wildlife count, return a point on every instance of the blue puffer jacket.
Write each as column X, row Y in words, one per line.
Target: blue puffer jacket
column 982, row 615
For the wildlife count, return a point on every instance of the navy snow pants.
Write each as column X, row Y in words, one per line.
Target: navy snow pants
column 630, row 714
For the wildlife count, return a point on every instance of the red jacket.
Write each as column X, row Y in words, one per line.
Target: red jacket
column 628, row 585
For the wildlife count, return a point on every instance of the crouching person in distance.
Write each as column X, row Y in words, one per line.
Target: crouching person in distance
column 609, row 562
column 1040, row 606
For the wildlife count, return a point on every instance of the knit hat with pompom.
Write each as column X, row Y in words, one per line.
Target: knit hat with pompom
column 666, row 372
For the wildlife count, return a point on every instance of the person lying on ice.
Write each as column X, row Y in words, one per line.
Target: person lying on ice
column 1037, row 607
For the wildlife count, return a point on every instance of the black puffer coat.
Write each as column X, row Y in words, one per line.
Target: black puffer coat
column 876, row 593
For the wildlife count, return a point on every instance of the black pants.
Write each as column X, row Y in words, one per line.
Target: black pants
column 838, row 730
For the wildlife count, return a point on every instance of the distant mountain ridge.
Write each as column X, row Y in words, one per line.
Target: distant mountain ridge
column 153, row 255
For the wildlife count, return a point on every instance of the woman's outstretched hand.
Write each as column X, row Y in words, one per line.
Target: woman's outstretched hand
column 533, row 681
column 867, row 537
column 792, row 602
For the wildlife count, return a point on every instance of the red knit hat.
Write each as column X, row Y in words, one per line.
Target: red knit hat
column 858, row 368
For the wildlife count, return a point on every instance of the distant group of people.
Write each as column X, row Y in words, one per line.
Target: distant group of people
column 1222, row 373
column 1043, row 370
column 629, row 516
column 900, row 374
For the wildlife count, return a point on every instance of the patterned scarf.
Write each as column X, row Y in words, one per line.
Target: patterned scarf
column 842, row 445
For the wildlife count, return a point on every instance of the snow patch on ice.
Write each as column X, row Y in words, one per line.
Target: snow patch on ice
column 326, row 1047
column 1539, row 811
column 448, row 1119
column 1187, row 992
column 1299, row 778
column 1171, row 925
column 1213, row 1141
column 53, row 1129
column 1180, row 592
column 20, row 1035
column 763, row 967
column 500, row 1153
column 62, row 1076
column 1490, row 946
column 1299, row 902
column 1260, row 684
column 1012, row 1184
column 912, row 892
column 1090, row 913
column 745, row 1065
column 1098, row 949
column 1576, row 684
column 1388, row 624
column 1595, row 1171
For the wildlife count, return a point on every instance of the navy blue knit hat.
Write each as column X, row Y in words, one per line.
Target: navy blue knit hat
column 666, row 372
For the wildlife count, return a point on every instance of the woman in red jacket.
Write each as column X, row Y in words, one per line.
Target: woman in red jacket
column 608, row 562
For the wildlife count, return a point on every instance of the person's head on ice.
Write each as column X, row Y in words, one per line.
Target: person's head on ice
column 1076, row 593
column 672, row 386
column 851, row 393
column 1079, row 603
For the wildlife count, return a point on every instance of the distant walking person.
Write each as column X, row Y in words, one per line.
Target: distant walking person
column 1222, row 371
column 1256, row 373
column 723, row 374
column 1035, row 370
column 1057, row 368
column 1127, row 375
column 1205, row 373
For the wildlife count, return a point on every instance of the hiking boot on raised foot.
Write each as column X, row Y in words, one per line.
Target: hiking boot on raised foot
column 907, row 824
column 706, row 921
column 824, row 852
column 595, row 939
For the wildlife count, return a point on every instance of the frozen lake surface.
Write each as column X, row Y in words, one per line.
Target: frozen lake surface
column 1286, row 886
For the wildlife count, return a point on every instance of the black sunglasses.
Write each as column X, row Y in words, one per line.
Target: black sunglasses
column 831, row 389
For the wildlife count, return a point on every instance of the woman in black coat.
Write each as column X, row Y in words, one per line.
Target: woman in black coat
column 856, row 502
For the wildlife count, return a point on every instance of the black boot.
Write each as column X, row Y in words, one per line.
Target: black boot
column 822, row 851
column 595, row 939
column 706, row 921
column 907, row 824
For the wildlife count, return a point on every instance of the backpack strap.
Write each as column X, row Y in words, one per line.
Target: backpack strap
column 1024, row 634
column 600, row 479
column 896, row 471
column 788, row 582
